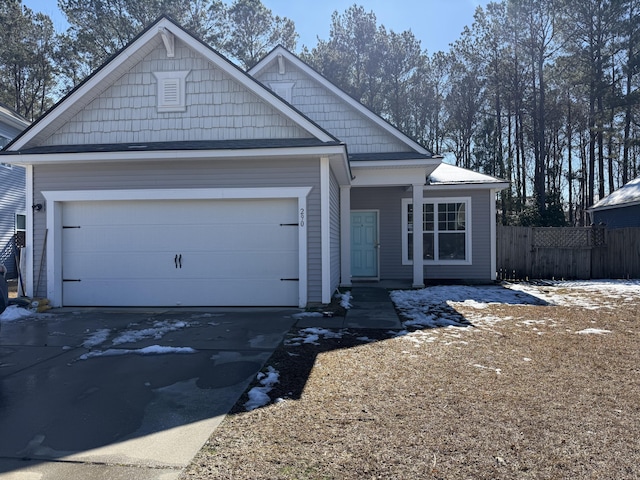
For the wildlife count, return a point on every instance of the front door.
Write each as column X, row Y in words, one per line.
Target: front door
column 364, row 244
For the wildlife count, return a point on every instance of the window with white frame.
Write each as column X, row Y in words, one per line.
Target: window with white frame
column 445, row 227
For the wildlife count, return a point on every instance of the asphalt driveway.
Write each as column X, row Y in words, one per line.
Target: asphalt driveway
column 131, row 394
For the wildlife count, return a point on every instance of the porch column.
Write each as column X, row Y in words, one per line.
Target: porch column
column 345, row 236
column 418, row 267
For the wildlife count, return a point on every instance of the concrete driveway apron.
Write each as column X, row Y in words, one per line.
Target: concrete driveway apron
column 131, row 394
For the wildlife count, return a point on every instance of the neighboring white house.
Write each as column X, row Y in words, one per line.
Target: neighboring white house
column 170, row 177
column 12, row 188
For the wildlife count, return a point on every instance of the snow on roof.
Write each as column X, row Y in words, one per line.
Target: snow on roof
column 627, row 195
column 446, row 174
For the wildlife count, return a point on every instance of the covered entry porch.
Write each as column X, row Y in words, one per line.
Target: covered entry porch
column 371, row 220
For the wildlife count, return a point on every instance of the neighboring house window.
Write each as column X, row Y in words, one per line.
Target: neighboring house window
column 445, row 229
column 172, row 91
column 21, row 227
column 283, row 89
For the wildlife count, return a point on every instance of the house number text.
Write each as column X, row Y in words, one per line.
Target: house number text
column 302, row 217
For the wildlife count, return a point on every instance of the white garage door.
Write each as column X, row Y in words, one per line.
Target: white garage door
column 180, row 253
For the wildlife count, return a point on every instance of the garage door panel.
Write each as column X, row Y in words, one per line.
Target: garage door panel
column 124, row 253
column 118, row 264
column 235, row 292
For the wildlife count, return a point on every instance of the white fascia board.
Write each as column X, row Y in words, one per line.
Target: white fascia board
column 154, row 155
column 12, row 121
column 390, row 172
column 497, row 186
column 339, row 93
column 381, row 177
column 385, row 164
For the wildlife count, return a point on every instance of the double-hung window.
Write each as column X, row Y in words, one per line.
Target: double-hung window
column 445, row 226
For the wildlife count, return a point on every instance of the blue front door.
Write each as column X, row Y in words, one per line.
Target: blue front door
column 364, row 244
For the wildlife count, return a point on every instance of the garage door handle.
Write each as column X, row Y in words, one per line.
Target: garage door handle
column 177, row 260
column 180, row 260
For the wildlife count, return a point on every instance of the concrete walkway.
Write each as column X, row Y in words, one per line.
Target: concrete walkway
column 371, row 307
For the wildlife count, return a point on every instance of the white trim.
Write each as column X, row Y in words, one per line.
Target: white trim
column 151, row 155
column 325, row 227
column 55, row 199
column 492, row 226
column 163, row 81
column 418, row 240
column 28, row 276
column 280, row 51
column 397, row 164
column 418, row 212
column 283, row 89
column 377, row 212
column 467, row 186
column 345, row 236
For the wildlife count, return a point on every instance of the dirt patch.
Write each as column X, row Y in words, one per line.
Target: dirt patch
column 527, row 392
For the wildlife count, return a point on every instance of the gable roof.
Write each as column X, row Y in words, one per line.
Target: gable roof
column 126, row 58
column 281, row 52
column 626, row 196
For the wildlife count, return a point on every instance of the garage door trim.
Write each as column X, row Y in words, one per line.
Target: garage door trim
column 54, row 200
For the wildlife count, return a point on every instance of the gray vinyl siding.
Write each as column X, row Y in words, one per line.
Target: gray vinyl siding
column 333, row 113
column 12, row 201
column 188, row 174
column 619, row 217
column 388, row 201
column 334, row 192
column 217, row 108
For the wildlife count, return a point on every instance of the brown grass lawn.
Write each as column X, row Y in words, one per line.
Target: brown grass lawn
column 519, row 395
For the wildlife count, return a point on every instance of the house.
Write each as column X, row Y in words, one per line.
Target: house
column 170, row 177
column 12, row 186
column 619, row 209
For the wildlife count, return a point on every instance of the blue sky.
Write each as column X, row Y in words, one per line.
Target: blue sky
column 436, row 23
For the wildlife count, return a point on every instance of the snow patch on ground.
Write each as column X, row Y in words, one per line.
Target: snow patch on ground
column 13, row 312
column 312, row 335
column 439, row 306
column 159, row 330
column 345, row 300
column 150, row 350
column 96, row 338
column 259, row 396
column 593, row 331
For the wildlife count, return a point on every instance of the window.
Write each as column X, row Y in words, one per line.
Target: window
column 445, row 229
column 172, row 94
column 21, row 227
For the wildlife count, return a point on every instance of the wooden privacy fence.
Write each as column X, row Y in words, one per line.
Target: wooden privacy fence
column 567, row 253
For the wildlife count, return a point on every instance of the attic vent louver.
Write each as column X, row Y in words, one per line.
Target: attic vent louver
column 172, row 95
column 283, row 89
